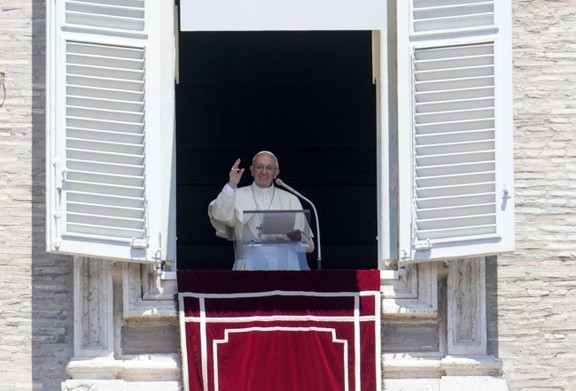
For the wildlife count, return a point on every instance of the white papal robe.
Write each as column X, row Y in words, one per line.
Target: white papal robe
column 226, row 214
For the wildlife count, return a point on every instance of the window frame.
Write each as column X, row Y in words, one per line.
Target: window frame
column 392, row 48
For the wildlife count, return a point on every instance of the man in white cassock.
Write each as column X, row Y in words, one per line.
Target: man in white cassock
column 252, row 250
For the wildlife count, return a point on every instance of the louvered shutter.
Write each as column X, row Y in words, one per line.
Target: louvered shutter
column 110, row 129
column 455, row 129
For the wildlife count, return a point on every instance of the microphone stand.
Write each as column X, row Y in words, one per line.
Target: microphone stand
column 280, row 182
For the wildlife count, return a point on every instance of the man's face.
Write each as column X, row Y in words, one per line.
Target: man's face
column 264, row 170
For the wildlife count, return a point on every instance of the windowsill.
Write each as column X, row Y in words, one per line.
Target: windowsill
column 145, row 368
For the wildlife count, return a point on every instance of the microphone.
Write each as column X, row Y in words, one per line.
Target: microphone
column 280, row 182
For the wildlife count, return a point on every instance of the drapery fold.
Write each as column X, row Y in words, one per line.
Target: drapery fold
column 281, row 331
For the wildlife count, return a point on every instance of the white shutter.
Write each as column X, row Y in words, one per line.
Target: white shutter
column 455, row 129
column 109, row 116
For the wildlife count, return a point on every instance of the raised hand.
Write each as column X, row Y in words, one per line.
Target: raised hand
column 235, row 174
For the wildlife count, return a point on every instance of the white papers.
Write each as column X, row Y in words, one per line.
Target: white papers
column 277, row 223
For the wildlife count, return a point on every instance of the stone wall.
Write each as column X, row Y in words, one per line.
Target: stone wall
column 537, row 284
column 35, row 297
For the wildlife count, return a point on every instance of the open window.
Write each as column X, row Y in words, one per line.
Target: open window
column 443, row 130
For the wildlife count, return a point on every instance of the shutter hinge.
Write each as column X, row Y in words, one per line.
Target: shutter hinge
column 422, row 245
column 404, row 254
column 139, row 244
column 62, row 172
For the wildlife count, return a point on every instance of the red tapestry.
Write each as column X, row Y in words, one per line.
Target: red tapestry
column 280, row 331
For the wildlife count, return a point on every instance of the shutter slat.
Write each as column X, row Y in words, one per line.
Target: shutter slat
column 107, row 210
column 104, row 135
column 103, row 232
column 450, row 169
column 455, row 136
column 105, row 168
column 473, row 232
column 95, row 177
column 116, row 157
column 455, row 158
column 455, row 60
column 96, row 21
column 110, row 74
column 104, row 189
column 105, row 146
column 105, row 200
column 436, row 12
column 461, row 21
column 108, row 93
column 456, row 115
column 455, row 190
column 121, row 15
column 440, row 3
column 460, row 126
column 432, row 182
column 89, row 49
column 100, row 125
column 437, row 149
column 105, row 83
column 448, row 105
column 455, row 201
column 129, row 117
column 101, row 220
column 431, row 16
column 105, row 104
column 431, row 94
column 455, row 222
column 467, row 210
column 454, row 89
column 124, row 3
column 135, row 12
column 103, row 61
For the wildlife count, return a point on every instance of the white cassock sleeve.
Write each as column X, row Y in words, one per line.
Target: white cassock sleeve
column 222, row 214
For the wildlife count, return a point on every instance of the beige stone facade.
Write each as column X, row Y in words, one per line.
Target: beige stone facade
column 54, row 335
column 536, row 290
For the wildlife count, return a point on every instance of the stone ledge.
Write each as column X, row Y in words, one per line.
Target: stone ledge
column 447, row 383
column 120, row 385
column 137, row 369
column 476, row 383
column 406, row 368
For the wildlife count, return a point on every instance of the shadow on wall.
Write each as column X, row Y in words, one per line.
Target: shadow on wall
column 492, row 305
column 52, row 276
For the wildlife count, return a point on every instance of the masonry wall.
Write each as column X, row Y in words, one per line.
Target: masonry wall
column 532, row 293
column 537, row 285
column 35, row 289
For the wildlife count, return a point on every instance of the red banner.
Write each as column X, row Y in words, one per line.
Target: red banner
column 281, row 331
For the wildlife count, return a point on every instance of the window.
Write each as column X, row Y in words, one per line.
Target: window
column 444, row 101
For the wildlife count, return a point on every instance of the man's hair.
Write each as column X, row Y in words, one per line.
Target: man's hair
column 266, row 153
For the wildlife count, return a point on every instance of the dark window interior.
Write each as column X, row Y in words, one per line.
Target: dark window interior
column 306, row 96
